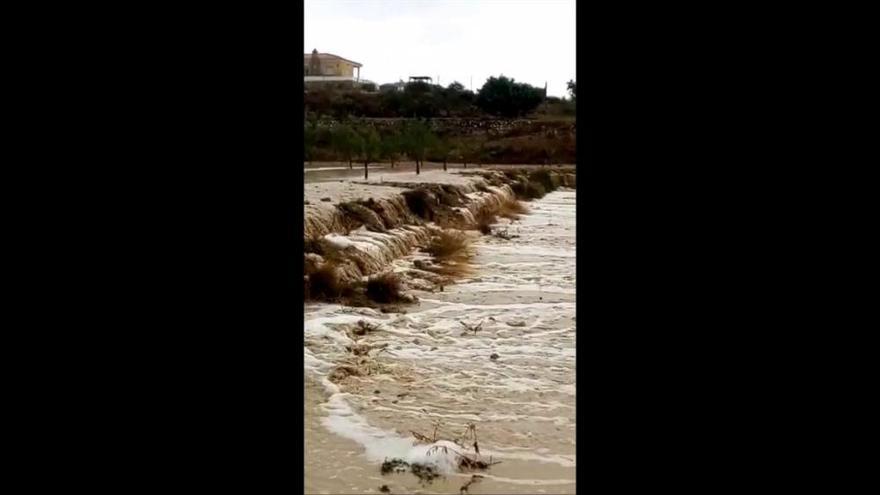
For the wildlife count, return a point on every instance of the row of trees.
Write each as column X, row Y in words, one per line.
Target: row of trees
column 414, row 140
column 500, row 96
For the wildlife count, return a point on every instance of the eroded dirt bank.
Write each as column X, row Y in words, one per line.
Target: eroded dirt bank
column 356, row 229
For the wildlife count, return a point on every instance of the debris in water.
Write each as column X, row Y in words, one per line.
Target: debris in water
column 494, row 356
column 392, row 309
column 424, row 472
column 395, row 465
column 363, row 328
column 471, row 328
column 359, row 349
column 421, row 438
column 342, row 372
column 503, row 234
column 465, row 462
column 384, row 489
column 474, row 479
column 326, row 200
column 519, row 323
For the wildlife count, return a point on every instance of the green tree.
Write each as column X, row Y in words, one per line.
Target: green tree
column 456, row 87
column 308, row 143
column 441, row 149
column 418, row 140
column 370, row 147
column 391, row 147
column 505, row 97
column 572, row 88
column 344, row 141
column 466, row 150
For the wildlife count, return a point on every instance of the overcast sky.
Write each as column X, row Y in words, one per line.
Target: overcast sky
column 532, row 41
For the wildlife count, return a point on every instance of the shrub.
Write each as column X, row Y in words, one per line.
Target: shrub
column 322, row 247
column 324, row 283
column 503, row 96
column 484, row 222
column 449, row 244
column 534, row 190
column 526, row 189
column 544, row 178
column 384, row 288
column 512, row 209
column 421, row 202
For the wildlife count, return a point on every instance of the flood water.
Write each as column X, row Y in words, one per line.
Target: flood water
column 335, row 171
column 432, row 372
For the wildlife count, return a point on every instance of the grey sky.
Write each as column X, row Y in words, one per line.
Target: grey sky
column 532, row 41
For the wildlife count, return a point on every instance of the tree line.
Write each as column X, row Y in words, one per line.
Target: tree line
column 413, row 140
column 498, row 97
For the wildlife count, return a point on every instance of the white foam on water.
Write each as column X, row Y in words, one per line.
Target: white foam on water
column 526, row 481
column 534, row 338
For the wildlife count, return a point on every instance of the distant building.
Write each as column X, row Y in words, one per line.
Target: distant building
column 398, row 86
column 328, row 69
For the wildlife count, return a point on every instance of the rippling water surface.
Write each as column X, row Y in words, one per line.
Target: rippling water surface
column 432, row 371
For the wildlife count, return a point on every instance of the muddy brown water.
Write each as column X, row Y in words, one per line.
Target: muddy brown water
column 433, row 372
column 334, row 171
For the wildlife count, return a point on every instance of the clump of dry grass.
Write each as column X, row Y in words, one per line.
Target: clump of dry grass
column 451, row 269
column 528, row 189
column 512, row 209
column 545, row 178
column 324, row 283
column 322, row 247
column 449, row 245
column 384, row 288
column 484, row 222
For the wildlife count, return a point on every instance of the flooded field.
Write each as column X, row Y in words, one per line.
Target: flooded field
column 495, row 350
column 334, row 171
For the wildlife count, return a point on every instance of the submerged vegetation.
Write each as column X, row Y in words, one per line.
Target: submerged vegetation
column 449, row 245
column 384, row 288
column 441, row 216
column 458, row 448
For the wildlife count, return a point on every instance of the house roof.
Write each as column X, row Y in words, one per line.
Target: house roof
column 330, row 55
